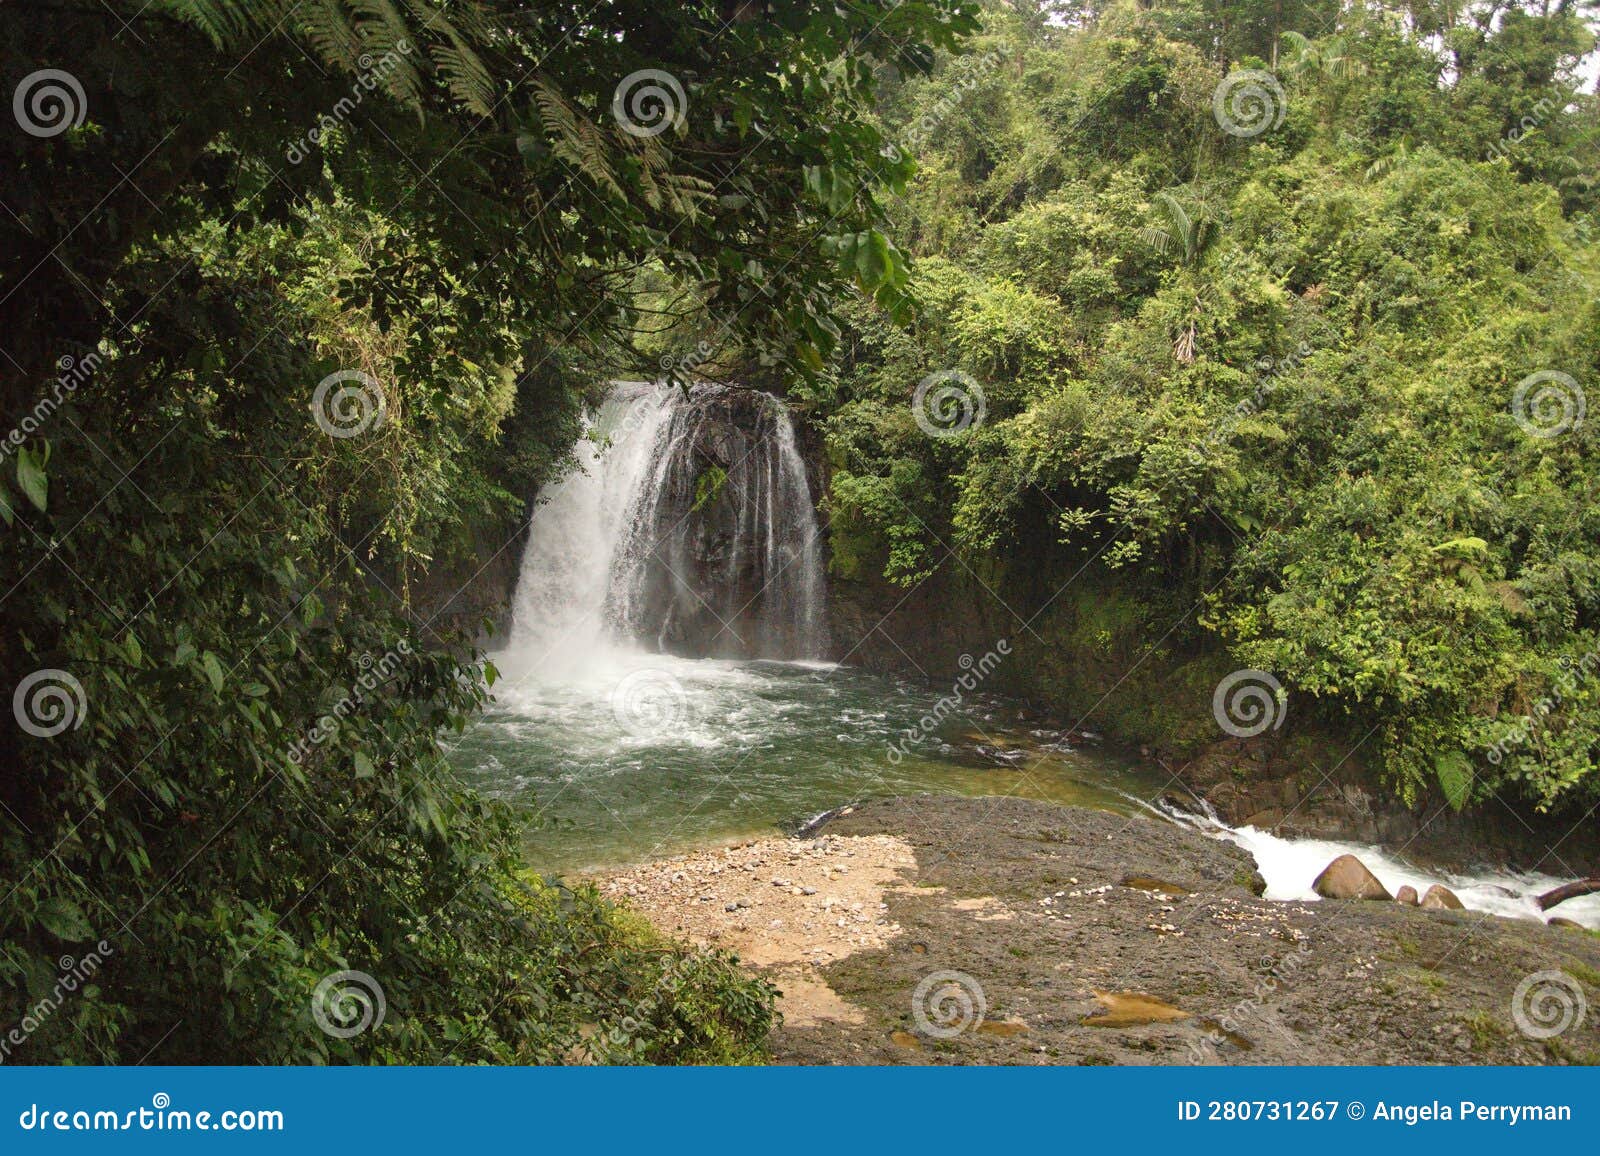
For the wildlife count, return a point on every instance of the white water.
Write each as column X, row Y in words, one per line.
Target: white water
column 617, row 561
column 559, row 621
column 590, row 702
column 1290, row 865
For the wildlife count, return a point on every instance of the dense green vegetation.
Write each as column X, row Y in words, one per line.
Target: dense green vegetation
column 295, row 298
column 306, row 299
column 1271, row 377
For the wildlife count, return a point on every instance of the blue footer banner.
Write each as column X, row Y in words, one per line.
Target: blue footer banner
column 782, row 1110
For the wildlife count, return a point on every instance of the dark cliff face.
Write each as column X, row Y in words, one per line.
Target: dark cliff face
column 1099, row 651
column 720, row 554
column 471, row 596
column 724, row 552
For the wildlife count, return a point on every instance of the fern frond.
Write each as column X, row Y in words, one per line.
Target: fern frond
column 327, row 25
column 227, row 22
column 465, row 76
column 573, row 137
column 1158, row 239
column 1181, row 224
column 1386, row 164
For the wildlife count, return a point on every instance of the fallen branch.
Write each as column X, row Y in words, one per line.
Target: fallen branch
column 1567, row 891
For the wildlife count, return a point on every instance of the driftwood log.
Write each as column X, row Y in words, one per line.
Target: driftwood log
column 1567, row 891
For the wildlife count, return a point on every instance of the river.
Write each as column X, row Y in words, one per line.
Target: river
column 614, row 750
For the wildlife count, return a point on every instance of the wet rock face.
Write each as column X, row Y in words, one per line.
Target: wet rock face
column 724, row 555
column 1348, row 878
column 1441, row 898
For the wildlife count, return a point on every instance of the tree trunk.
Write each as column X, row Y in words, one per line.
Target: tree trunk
column 1567, row 891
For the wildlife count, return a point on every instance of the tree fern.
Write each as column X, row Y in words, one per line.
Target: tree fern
column 350, row 35
column 573, row 137
column 1192, row 236
column 1387, row 163
column 1330, row 58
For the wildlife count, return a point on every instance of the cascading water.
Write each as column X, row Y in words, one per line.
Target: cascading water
column 640, row 709
column 688, row 528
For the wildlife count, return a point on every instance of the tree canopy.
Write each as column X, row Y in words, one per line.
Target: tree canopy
column 1282, row 312
column 294, row 295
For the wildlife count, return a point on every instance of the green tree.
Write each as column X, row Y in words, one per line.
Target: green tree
column 296, row 297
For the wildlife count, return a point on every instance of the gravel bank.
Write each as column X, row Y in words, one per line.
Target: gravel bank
column 1081, row 937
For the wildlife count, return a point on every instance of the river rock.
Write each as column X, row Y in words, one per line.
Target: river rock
column 1406, row 895
column 1563, row 921
column 1348, row 878
column 1440, row 898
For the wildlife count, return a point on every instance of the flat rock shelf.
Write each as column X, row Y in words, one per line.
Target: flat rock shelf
column 1007, row 931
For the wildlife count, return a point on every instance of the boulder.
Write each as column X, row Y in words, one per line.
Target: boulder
column 1406, row 895
column 1442, row 899
column 1563, row 921
column 1348, row 878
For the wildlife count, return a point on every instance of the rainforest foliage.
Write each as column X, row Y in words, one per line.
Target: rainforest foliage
column 303, row 297
column 1284, row 374
column 293, row 295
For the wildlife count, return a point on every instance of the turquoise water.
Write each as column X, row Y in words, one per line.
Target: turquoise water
column 630, row 755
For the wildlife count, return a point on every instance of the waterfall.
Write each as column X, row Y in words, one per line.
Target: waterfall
column 686, row 526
